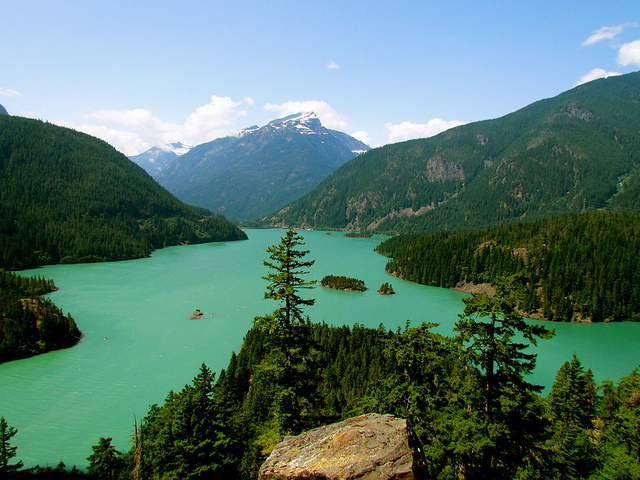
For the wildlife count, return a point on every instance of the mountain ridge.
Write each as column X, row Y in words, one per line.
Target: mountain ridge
column 261, row 169
column 577, row 150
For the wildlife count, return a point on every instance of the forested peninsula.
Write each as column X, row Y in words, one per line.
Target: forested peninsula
column 582, row 267
column 68, row 197
column 29, row 323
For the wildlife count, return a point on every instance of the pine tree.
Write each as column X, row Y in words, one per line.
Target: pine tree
column 490, row 329
column 105, row 460
column 7, row 452
column 287, row 368
column 286, row 281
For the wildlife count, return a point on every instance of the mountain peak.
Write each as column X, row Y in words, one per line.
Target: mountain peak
column 304, row 122
column 178, row 148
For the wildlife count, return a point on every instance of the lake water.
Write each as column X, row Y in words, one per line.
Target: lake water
column 138, row 342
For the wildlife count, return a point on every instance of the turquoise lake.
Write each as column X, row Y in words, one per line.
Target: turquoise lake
column 138, row 342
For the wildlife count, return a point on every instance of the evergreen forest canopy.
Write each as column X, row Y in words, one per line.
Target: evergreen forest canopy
column 580, row 267
column 29, row 323
column 68, row 197
column 579, row 150
column 470, row 409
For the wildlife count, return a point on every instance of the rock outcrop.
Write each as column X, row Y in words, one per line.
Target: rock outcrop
column 368, row 447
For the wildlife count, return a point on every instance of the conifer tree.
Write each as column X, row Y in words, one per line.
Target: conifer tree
column 287, row 368
column 7, row 452
column 495, row 339
column 286, row 280
column 105, row 460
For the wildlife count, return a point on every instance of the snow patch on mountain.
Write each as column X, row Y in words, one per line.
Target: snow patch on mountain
column 306, row 123
column 178, row 148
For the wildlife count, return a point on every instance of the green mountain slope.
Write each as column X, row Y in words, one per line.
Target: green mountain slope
column 263, row 169
column 69, row 197
column 579, row 149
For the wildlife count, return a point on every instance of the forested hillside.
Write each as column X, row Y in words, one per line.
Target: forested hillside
column 580, row 267
column 578, row 150
column 68, row 197
column 29, row 323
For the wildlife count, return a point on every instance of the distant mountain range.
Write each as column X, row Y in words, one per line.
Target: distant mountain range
column 579, row 150
column 156, row 158
column 258, row 171
column 3, row 111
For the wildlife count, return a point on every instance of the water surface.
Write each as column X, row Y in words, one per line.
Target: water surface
column 138, row 343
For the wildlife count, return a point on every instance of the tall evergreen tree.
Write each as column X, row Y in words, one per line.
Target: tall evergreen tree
column 288, row 368
column 105, row 461
column 572, row 410
column 495, row 339
column 286, row 280
column 7, row 452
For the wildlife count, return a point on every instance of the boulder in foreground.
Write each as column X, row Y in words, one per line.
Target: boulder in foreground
column 367, row 447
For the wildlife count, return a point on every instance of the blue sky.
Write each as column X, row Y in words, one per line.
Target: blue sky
column 143, row 73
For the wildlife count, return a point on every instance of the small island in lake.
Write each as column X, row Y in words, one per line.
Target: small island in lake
column 347, row 284
column 386, row 289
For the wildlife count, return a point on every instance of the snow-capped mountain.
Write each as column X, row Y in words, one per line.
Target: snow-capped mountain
column 261, row 169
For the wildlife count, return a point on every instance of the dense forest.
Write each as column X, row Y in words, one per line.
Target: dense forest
column 340, row 282
column 581, row 267
column 556, row 156
column 29, row 323
column 471, row 412
column 68, row 197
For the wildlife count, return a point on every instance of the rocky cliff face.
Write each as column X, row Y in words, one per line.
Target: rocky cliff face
column 369, row 447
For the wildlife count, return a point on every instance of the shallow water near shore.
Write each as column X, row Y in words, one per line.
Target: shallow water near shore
column 138, row 342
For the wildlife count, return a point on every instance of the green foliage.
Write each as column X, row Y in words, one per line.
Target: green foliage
column 556, row 156
column 105, row 460
column 495, row 338
column 285, row 280
column 68, row 197
column 577, row 267
column 386, row 289
column 343, row 283
column 7, row 452
column 572, row 411
column 29, row 323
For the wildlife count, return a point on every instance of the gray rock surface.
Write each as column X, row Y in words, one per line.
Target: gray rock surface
column 368, row 447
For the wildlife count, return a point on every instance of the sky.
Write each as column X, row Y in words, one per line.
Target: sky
column 144, row 73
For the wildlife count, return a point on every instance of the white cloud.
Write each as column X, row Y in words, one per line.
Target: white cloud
column 333, row 65
column 595, row 74
column 325, row 112
column 144, row 130
column 363, row 136
column 408, row 130
column 7, row 92
column 129, row 143
column 605, row 33
column 629, row 54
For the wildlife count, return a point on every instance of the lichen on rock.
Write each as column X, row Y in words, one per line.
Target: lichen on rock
column 368, row 447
